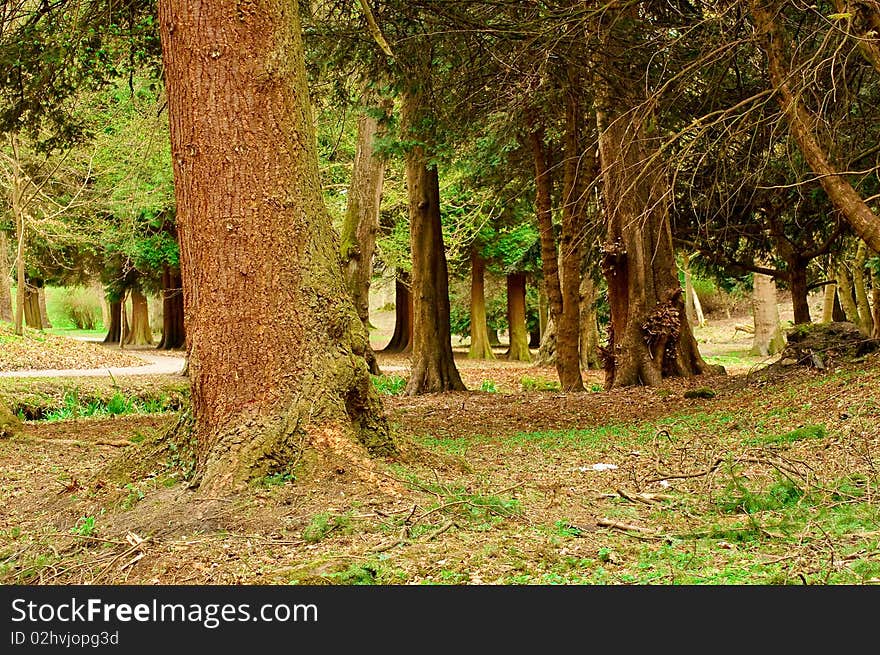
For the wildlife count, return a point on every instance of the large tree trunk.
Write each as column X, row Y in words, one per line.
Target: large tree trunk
column 516, row 318
column 114, row 329
column 401, row 338
column 801, row 123
column 480, row 347
column 173, row 331
column 361, row 223
column 433, row 367
column 860, row 288
column 797, row 284
column 589, row 326
column 32, row 315
column 276, row 349
column 140, row 332
column 769, row 339
column 5, row 280
column 829, row 293
column 547, row 351
column 649, row 335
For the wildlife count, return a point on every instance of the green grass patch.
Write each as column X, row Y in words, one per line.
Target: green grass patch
column 389, row 385
column 539, row 384
column 817, row 431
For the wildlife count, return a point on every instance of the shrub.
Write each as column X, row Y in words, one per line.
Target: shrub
column 82, row 308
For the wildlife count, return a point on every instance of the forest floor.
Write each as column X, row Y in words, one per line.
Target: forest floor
column 771, row 480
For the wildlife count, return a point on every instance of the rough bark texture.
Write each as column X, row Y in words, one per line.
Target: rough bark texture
column 276, row 349
column 649, row 336
column 401, row 338
column 114, row 328
column 18, row 216
column 32, row 315
column 173, row 330
column 769, row 338
column 5, row 280
column 140, row 332
column 797, row 284
column 41, row 302
column 547, row 351
column 480, row 345
column 828, row 295
column 589, row 326
column 433, row 367
column 361, row 222
column 516, row 318
column 864, row 222
column 860, row 289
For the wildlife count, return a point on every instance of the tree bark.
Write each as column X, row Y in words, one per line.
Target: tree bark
column 173, row 330
column 433, row 367
column 649, row 335
column 401, row 338
column 829, row 292
column 516, row 318
column 801, row 122
column 20, row 228
column 361, row 222
column 480, row 348
column 769, row 339
column 32, row 315
column 866, row 322
column 140, row 332
column 875, row 299
column 5, row 280
column 547, row 351
column 797, row 284
column 276, row 349
column 845, row 293
column 41, row 303
column 589, row 326
column 693, row 307
column 114, row 330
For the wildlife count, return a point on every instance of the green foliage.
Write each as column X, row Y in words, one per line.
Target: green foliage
column 488, row 386
column 389, row 385
column 134, row 496
column 85, row 526
column 323, row 524
column 81, row 309
column 539, row 384
column 274, row 480
column 737, row 498
column 73, row 406
column 817, row 431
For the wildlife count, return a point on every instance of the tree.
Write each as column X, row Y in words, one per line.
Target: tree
column 276, row 346
column 769, row 339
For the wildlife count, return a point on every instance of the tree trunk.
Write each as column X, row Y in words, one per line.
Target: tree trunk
column 173, row 331
column 361, row 223
column 828, row 294
column 5, row 280
column 863, row 23
column 547, row 351
column 845, row 293
column 797, row 284
column 401, row 339
column 20, row 228
column 875, row 299
column 494, row 341
column 801, row 122
column 589, row 326
column 516, row 318
column 649, row 335
column 32, row 316
column 41, row 303
column 866, row 322
column 433, row 367
column 114, row 330
column 275, row 345
column 140, row 332
column 543, row 310
column 769, row 339
column 480, row 348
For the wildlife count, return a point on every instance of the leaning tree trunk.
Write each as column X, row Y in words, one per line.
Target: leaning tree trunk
column 173, row 331
column 516, row 318
column 649, row 335
column 801, row 122
column 547, row 351
column 693, row 307
column 480, row 346
column 860, row 288
column 769, row 339
column 401, row 338
column 140, row 333
column 589, row 326
column 361, row 222
column 433, row 367
column 276, row 349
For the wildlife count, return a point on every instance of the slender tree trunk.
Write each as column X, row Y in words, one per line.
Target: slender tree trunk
column 114, row 329
column 845, row 293
column 361, row 223
column 401, row 339
column 589, row 326
column 494, row 341
column 693, row 307
column 173, row 331
column 829, row 292
column 480, row 348
column 140, row 332
column 801, row 122
column 649, row 335
column 543, row 310
column 433, row 367
column 20, row 228
column 875, row 301
column 516, row 318
column 769, row 339
column 5, row 280
column 276, row 349
column 866, row 322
